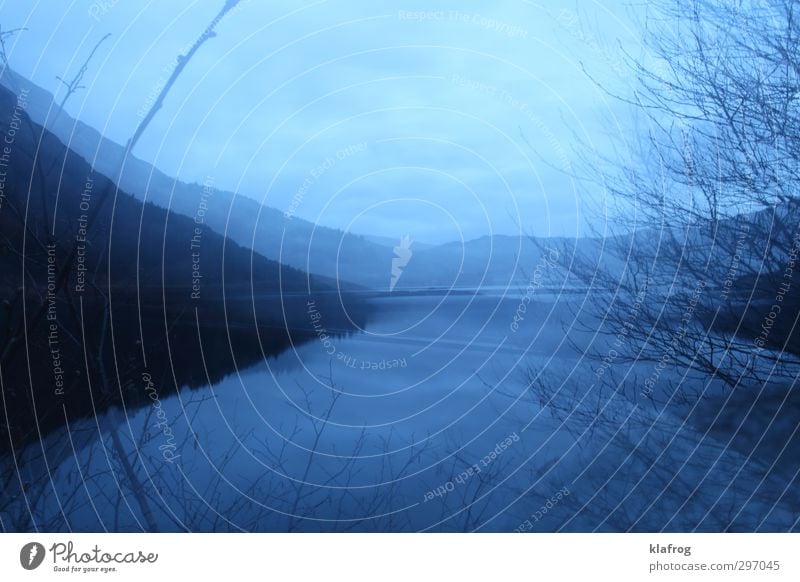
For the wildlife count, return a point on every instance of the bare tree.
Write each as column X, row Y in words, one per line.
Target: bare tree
column 66, row 265
column 706, row 196
column 692, row 287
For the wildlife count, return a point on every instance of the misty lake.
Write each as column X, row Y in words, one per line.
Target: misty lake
column 424, row 411
column 431, row 382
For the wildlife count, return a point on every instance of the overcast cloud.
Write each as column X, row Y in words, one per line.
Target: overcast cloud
column 379, row 117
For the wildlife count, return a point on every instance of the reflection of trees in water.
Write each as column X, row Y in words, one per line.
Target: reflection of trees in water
column 642, row 465
column 130, row 485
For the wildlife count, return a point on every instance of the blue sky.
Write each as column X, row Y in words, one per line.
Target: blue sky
column 390, row 118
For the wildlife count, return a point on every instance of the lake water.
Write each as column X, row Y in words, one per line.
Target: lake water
column 433, row 381
column 422, row 420
column 396, row 426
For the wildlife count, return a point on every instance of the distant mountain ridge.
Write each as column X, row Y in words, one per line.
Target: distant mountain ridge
column 497, row 260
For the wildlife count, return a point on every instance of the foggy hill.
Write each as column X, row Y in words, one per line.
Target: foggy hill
column 291, row 241
column 97, row 287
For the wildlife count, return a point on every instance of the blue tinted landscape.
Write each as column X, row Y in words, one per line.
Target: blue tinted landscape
column 330, row 267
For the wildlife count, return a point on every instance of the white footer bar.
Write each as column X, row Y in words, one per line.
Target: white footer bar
column 401, row 557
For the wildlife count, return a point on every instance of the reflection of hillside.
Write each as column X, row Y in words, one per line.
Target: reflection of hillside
column 759, row 424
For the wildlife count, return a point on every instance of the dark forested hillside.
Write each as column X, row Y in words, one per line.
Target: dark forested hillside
column 278, row 235
column 100, row 290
